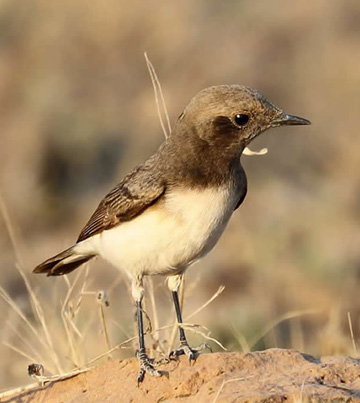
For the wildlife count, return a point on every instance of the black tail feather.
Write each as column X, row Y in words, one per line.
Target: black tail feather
column 63, row 263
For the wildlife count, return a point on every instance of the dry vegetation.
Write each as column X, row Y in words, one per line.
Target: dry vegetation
column 77, row 112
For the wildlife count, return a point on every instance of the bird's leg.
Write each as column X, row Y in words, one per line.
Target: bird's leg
column 184, row 348
column 146, row 363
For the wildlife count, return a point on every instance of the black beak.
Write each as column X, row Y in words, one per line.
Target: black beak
column 289, row 120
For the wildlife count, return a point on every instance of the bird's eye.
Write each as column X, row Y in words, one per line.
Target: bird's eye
column 241, row 119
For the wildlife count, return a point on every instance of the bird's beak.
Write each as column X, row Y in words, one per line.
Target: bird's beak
column 289, row 120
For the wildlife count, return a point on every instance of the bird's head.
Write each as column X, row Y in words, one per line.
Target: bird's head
column 231, row 116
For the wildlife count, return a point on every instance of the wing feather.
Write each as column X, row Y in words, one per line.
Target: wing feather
column 139, row 190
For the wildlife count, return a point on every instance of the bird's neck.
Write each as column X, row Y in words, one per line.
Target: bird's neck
column 196, row 163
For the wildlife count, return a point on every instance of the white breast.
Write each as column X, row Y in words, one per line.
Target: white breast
column 167, row 237
column 202, row 215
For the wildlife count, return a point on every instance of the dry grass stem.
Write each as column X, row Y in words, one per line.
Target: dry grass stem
column 274, row 323
column 35, row 303
column 26, row 342
column 241, row 339
column 352, row 334
column 67, row 319
column 42, row 380
column 155, row 336
column 19, row 351
column 114, row 284
column 161, row 110
column 103, row 301
column 6, row 297
column 181, row 293
column 10, row 229
column 300, row 399
column 120, row 345
column 74, row 327
column 83, row 288
column 193, row 327
column 37, row 335
column 104, row 328
column 151, row 293
column 39, row 313
column 218, row 292
column 58, row 377
column 125, row 333
column 297, row 335
column 229, row 381
column 189, row 326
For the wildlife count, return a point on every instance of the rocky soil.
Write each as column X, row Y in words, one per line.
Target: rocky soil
column 273, row 375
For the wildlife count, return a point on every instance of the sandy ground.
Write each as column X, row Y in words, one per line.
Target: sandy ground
column 273, row 375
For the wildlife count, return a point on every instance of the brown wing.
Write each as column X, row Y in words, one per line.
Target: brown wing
column 139, row 190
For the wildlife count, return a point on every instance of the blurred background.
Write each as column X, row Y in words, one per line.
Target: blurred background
column 78, row 111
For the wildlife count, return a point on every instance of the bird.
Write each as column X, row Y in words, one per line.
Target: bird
column 171, row 210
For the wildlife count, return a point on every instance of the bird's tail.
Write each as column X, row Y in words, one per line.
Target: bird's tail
column 64, row 263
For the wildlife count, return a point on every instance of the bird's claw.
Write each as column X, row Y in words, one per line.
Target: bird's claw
column 191, row 352
column 147, row 365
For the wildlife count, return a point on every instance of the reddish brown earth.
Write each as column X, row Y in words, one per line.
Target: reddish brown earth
column 273, row 375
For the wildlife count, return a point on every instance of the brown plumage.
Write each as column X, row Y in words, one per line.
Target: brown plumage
column 170, row 211
column 139, row 190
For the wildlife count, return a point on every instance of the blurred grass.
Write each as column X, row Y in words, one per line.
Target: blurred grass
column 77, row 112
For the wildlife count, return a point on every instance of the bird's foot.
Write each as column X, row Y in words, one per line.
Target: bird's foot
column 147, row 365
column 191, row 352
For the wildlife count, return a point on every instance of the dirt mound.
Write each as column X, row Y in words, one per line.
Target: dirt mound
column 273, row 375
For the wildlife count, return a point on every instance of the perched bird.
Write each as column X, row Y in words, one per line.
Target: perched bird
column 170, row 211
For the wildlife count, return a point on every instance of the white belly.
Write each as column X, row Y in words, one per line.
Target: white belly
column 184, row 226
